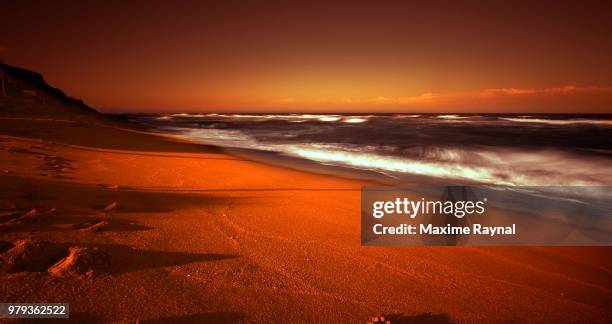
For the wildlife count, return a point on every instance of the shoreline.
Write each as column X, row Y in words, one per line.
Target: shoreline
column 484, row 149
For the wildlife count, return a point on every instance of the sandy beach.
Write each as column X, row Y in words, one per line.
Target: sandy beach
column 193, row 234
column 374, row 162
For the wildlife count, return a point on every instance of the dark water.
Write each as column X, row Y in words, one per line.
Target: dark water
column 490, row 149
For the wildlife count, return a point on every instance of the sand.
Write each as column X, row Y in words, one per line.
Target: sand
column 193, row 234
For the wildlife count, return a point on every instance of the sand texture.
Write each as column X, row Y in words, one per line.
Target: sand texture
column 126, row 225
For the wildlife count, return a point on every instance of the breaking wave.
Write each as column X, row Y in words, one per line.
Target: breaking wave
column 490, row 149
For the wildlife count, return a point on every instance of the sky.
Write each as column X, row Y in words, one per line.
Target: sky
column 298, row 56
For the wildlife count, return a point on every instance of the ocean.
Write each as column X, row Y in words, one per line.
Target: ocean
column 496, row 149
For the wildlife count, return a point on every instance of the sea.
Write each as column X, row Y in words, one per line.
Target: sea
column 554, row 170
column 490, row 149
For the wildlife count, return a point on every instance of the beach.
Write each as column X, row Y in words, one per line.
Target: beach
column 195, row 234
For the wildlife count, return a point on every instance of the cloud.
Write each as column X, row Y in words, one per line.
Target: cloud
column 505, row 93
column 565, row 90
column 434, row 98
column 567, row 99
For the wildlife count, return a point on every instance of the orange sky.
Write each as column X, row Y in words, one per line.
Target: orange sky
column 372, row 56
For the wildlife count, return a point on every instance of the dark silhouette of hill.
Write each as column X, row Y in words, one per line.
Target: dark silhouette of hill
column 24, row 93
column 31, row 108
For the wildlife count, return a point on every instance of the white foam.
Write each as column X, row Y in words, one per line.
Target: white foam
column 354, row 120
column 492, row 165
column 329, row 118
column 406, row 116
column 559, row 122
column 503, row 167
column 186, row 115
column 450, row 117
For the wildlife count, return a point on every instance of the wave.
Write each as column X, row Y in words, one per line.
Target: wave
column 451, row 117
column 491, row 149
column 354, row 120
column 511, row 167
column 283, row 117
column 559, row 121
column 406, row 116
column 500, row 167
column 189, row 115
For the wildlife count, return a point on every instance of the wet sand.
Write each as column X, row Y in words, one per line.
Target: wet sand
column 198, row 235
